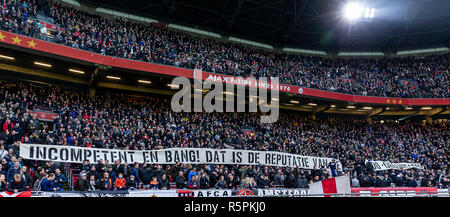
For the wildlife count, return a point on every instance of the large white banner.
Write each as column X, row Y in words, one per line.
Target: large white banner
column 386, row 165
column 71, row 154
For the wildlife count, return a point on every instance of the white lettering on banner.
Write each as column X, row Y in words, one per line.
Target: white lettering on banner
column 212, row 193
column 245, row 82
column 283, row 192
column 386, row 165
column 71, row 154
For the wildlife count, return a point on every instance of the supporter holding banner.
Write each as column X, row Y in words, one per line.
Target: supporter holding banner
column 72, row 154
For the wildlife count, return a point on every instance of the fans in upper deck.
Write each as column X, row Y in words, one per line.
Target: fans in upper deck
column 409, row 77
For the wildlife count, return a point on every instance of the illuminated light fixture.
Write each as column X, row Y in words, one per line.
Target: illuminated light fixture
column 387, row 108
column 76, row 71
column 353, row 11
column 369, row 13
column 367, row 108
column 333, row 106
column 408, row 108
column 6, row 57
column 144, row 82
column 173, row 85
column 382, row 121
column 295, row 101
column 426, row 108
column 312, row 104
column 113, row 77
column 43, row 64
column 351, row 106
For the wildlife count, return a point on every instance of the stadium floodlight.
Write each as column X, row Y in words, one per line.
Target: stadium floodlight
column 6, row 57
column 353, row 11
column 43, row 64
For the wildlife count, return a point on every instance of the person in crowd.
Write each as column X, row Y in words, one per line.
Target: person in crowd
column 120, row 183
column 221, row 183
column 164, row 183
column 60, row 179
column 48, row 183
column 193, row 183
column 17, row 185
column 82, row 183
column 26, row 177
column 106, row 182
column 13, row 171
column 204, row 182
column 2, row 182
column 93, row 183
column 131, row 183
column 154, row 184
column 180, row 180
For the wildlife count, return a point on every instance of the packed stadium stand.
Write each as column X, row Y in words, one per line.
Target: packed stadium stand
column 122, row 120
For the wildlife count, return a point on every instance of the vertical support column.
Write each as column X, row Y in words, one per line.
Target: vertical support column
column 429, row 120
column 92, row 92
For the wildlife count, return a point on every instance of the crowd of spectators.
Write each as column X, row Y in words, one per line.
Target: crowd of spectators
column 409, row 77
column 115, row 121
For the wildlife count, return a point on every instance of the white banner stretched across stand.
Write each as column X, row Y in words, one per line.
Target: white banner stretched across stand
column 71, row 154
column 386, row 165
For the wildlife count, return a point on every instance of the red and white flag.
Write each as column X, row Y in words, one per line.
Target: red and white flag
column 18, row 194
column 338, row 185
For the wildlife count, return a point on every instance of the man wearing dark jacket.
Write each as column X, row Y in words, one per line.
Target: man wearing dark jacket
column 106, row 183
column 17, row 185
column 291, row 182
column 48, row 184
column 302, row 182
column 146, row 175
column 82, row 183
column 60, row 179
column 26, row 177
column 13, row 171
column 180, row 180
column 164, row 183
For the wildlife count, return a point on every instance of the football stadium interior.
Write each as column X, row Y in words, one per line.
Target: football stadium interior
column 86, row 89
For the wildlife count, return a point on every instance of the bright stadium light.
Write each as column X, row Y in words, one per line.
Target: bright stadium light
column 353, row 11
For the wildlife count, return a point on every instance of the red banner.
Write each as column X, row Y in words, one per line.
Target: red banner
column 18, row 194
column 46, row 116
column 47, row 47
